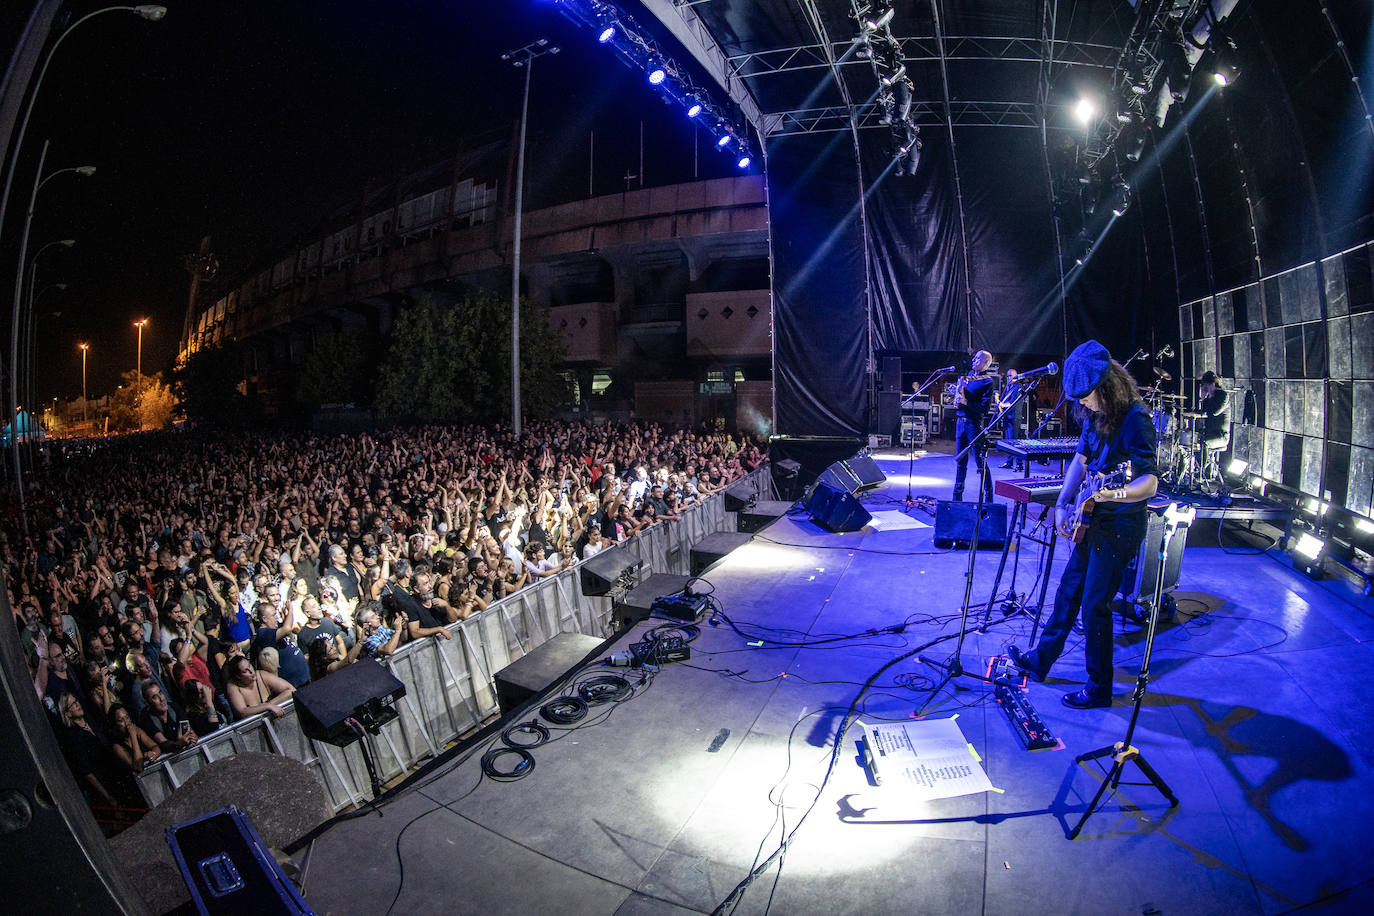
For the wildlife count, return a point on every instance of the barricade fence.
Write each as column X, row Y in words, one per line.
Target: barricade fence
column 450, row 683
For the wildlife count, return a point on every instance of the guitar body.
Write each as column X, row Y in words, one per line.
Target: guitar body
column 1083, row 503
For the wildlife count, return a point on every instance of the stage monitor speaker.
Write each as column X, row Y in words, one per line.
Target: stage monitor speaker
column 954, row 523
column 852, row 475
column 228, row 868
column 602, row 572
column 891, row 373
column 712, row 548
column 761, row 514
column 836, row 510
column 739, row 495
column 364, row 690
column 534, row 673
column 638, row 603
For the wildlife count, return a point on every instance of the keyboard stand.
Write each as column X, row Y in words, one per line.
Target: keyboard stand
column 1018, row 524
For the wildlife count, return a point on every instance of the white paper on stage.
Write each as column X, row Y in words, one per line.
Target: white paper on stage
column 924, row 760
column 892, row 520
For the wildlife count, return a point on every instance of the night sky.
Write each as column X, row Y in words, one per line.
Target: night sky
column 253, row 121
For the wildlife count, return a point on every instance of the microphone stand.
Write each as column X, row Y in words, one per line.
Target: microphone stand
column 911, row 454
column 954, row 667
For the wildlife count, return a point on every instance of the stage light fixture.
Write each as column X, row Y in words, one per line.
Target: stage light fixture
column 723, row 141
column 657, row 75
column 606, row 34
column 743, row 162
column 1083, row 249
column 1227, row 68
column 894, row 77
column 1257, row 484
column 1133, row 141
column 694, row 110
column 1307, row 553
column 1085, row 110
column 873, row 25
column 1364, row 526
column 1121, row 197
column 1237, row 467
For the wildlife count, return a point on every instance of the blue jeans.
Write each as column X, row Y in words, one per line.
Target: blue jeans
column 1090, row 582
column 964, row 434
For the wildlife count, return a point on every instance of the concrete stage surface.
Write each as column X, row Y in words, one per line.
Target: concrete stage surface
column 1259, row 716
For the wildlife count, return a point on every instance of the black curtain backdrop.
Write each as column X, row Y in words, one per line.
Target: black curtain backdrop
column 820, row 321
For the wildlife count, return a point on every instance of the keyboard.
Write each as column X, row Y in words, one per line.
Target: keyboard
column 1065, row 447
column 1042, row 491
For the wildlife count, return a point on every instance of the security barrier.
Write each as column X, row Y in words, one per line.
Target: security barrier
column 450, row 687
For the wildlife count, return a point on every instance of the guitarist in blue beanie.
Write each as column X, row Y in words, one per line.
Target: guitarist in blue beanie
column 1103, row 509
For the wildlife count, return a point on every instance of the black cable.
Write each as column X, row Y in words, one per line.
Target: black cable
column 532, row 727
column 564, row 710
column 523, row 767
column 604, row 688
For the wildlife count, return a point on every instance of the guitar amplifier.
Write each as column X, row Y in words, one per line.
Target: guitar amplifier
column 1138, row 583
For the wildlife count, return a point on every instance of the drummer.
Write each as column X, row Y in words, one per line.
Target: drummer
column 1215, row 407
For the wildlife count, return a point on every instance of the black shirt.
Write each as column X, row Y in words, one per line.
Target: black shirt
column 1134, row 442
column 978, row 396
column 1218, row 413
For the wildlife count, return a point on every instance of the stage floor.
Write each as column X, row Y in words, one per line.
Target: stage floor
column 1258, row 717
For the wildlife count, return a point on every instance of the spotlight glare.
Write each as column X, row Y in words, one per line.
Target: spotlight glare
column 1085, row 111
column 694, row 110
column 657, row 76
column 725, row 138
column 874, row 25
column 743, row 162
column 606, row 34
column 1364, row 526
column 1237, row 467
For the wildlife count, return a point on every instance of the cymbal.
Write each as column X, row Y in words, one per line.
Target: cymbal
column 1193, row 415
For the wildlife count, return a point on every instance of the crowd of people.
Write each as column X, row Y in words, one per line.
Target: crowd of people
column 172, row 583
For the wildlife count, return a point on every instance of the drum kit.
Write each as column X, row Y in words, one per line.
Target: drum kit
column 1182, row 454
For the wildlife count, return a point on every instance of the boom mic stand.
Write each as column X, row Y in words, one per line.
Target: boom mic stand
column 954, row 667
column 1177, row 517
column 911, row 454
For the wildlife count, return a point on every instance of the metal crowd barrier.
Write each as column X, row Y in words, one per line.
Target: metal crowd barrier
column 450, row 686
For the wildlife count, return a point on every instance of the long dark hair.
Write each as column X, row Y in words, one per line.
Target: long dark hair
column 1116, row 395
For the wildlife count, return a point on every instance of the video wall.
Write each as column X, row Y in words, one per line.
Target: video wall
column 1297, row 352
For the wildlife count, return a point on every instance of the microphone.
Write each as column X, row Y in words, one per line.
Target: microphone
column 938, row 371
column 1167, row 351
column 1162, row 374
column 1049, row 369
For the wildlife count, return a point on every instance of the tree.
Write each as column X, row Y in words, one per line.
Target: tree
column 452, row 365
column 339, row 370
column 208, row 386
column 142, row 402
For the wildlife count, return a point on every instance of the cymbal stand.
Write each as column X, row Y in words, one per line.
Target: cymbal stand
column 911, row 454
column 1177, row 517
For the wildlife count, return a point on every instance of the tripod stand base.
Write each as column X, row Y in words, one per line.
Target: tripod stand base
column 1121, row 754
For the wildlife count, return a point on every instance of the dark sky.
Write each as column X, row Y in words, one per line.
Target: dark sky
column 252, row 121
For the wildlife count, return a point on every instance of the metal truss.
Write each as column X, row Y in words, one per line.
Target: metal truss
column 924, row 112
column 926, row 48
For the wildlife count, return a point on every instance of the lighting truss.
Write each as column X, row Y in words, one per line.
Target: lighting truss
column 925, row 48
column 896, row 90
column 923, row 113
column 638, row 50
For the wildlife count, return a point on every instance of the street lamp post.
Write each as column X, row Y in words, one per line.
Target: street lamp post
column 139, row 370
column 521, row 57
column 152, row 13
column 85, row 348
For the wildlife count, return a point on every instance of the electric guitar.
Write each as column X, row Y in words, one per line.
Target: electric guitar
column 1083, row 503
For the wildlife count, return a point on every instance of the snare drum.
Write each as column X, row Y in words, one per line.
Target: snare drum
column 1163, row 420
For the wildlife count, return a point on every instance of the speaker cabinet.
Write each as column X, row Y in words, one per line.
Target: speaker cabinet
column 545, row 664
column 1138, row 584
column 889, row 413
column 834, row 509
column 364, row 690
column 853, row 474
column 954, row 523
column 891, row 376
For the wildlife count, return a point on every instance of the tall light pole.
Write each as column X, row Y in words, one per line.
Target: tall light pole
column 85, row 348
column 520, row 57
column 139, row 371
column 152, row 13
column 26, row 368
